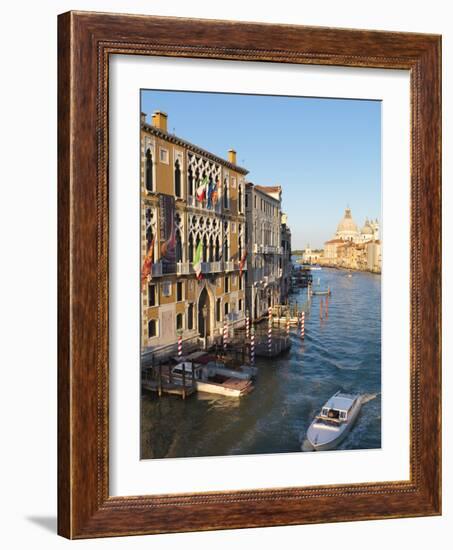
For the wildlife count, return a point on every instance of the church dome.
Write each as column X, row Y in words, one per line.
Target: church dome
column 347, row 224
column 367, row 229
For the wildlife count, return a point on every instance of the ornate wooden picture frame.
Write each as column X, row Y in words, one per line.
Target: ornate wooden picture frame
column 85, row 507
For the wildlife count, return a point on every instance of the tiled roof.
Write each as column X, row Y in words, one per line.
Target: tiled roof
column 334, row 241
column 269, row 188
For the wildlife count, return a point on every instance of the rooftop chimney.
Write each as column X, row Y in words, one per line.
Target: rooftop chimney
column 159, row 120
column 232, row 156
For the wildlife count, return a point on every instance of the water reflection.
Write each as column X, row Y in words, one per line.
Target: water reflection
column 341, row 352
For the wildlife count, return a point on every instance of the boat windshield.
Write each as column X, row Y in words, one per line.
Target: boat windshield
column 334, row 415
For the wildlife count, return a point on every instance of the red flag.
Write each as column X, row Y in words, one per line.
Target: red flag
column 147, row 266
column 241, row 265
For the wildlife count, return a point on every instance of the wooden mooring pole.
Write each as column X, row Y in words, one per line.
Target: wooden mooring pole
column 225, row 333
column 179, row 346
column 160, row 379
column 269, row 331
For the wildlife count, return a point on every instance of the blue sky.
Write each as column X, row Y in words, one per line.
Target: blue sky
column 325, row 153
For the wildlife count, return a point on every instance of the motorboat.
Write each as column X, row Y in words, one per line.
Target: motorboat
column 333, row 423
column 320, row 292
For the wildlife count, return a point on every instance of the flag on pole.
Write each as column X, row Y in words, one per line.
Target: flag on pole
column 215, row 193
column 147, row 266
column 210, row 189
column 197, row 260
column 201, row 189
column 241, row 265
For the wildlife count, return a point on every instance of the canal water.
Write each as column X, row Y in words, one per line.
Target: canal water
column 341, row 352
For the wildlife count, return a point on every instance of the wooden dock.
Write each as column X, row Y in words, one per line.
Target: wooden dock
column 167, row 388
column 159, row 379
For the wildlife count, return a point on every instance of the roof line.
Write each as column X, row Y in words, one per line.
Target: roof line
column 195, row 148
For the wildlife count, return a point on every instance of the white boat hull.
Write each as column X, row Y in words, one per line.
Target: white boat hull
column 323, row 437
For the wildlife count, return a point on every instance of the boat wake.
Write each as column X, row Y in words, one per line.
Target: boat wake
column 369, row 397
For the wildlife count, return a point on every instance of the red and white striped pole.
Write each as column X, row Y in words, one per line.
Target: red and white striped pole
column 179, row 346
column 269, row 331
column 247, row 325
column 252, row 347
column 225, row 333
column 302, row 325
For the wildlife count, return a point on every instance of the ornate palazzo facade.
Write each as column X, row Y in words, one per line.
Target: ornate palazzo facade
column 192, row 219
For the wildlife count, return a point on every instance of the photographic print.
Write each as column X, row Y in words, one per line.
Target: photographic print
column 261, row 246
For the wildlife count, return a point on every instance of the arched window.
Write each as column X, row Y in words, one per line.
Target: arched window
column 240, row 198
column 225, row 193
column 190, row 317
column 225, row 250
column 149, row 171
column 152, row 328
column 178, row 246
column 177, row 179
column 190, row 182
column 211, row 249
column 179, row 321
column 217, row 250
column 149, row 237
column 191, row 248
column 205, row 249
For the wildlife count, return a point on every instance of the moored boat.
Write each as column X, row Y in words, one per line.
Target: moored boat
column 333, row 423
column 327, row 292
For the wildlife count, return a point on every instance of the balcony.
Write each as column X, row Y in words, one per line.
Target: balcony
column 195, row 203
column 186, row 268
column 271, row 249
column 157, row 269
column 211, row 267
column 267, row 249
column 183, row 268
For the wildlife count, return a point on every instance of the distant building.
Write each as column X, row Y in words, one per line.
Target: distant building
column 331, row 250
column 264, row 271
column 285, row 258
column 310, row 256
column 374, row 256
column 347, row 229
column 192, row 202
column 353, row 248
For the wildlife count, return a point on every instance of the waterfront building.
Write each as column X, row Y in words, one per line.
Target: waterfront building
column 354, row 249
column 264, row 273
column 192, row 240
column 285, row 258
column 352, row 255
column 374, row 256
column 311, row 256
column 331, row 250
